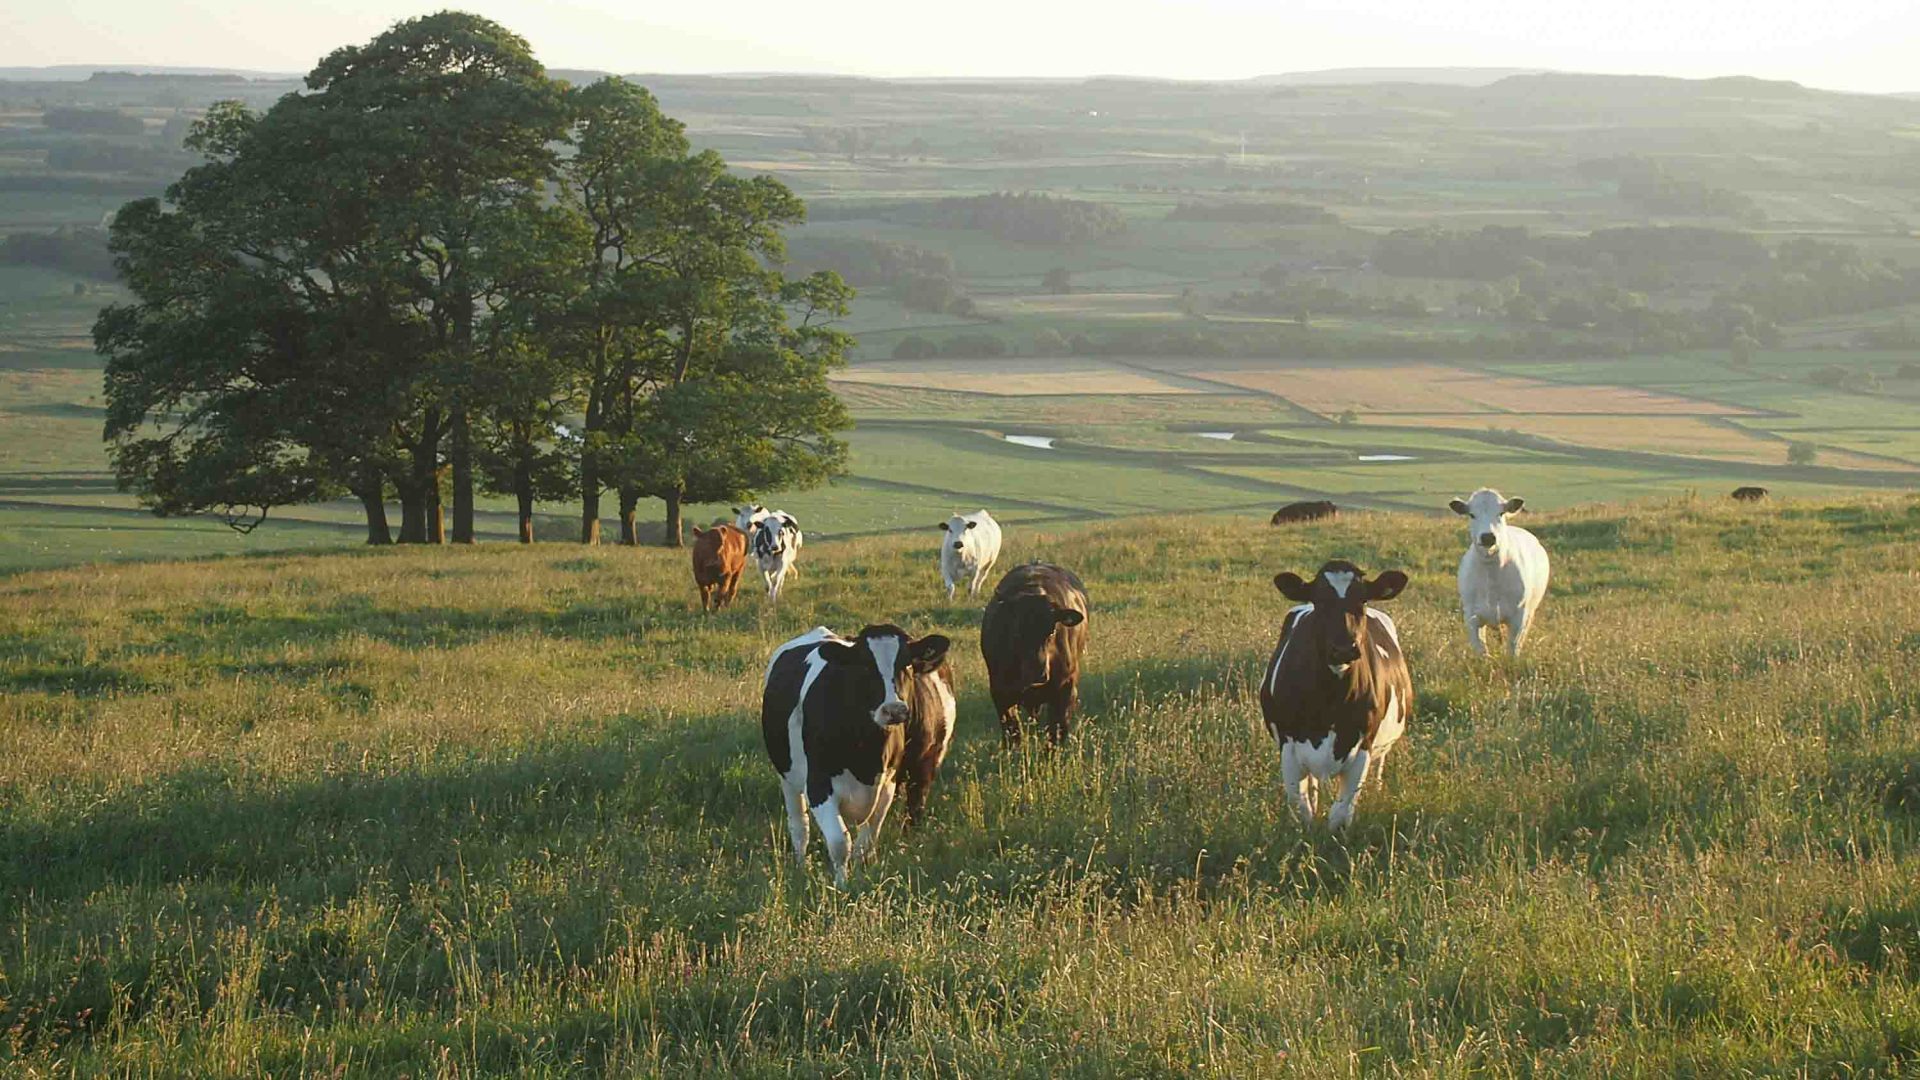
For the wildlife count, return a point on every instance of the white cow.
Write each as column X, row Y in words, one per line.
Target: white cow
column 746, row 517
column 775, row 545
column 969, row 546
column 1503, row 575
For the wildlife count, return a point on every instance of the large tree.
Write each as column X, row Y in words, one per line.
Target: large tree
column 455, row 123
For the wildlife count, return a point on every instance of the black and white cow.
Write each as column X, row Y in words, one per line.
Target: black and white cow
column 1337, row 694
column 775, row 544
column 845, row 721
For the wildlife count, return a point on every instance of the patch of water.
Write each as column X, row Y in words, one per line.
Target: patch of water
column 1387, row 457
column 1038, row 442
column 1223, row 436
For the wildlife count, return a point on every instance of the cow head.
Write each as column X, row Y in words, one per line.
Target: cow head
column 877, row 662
column 1339, row 594
column 745, row 517
column 956, row 529
column 1486, row 513
column 1033, row 620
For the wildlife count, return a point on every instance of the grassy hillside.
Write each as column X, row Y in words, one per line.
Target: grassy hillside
column 470, row 812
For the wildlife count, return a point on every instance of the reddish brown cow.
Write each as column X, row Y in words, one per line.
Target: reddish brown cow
column 1032, row 636
column 719, row 557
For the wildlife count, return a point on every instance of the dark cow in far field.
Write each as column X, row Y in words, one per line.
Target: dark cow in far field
column 719, row 558
column 1749, row 494
column 1337, row 694
column 1293, row 513
column 846, row 721
column 1032, row 636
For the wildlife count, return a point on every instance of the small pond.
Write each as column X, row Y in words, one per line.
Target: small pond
column 1039, row 442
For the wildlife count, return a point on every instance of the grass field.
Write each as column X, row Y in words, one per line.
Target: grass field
column 504, row 811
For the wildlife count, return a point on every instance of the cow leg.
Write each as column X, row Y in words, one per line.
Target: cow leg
column 834, row 832
column 1009, row 722
column 1517, row 632
column 918, row 788
column 950, row 584
column 1295, row 782
column 870, row 831
column 1060, row 716
column 1351, row 777
column 1475, row 639
column 795, row 798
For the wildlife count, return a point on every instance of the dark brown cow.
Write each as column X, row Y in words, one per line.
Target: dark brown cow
column 1293, row 513
column 1032, row 636
column 1337, row 693
column 719, row 557
column 1749, row 494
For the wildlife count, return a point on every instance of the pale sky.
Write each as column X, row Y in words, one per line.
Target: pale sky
column 1863, row 45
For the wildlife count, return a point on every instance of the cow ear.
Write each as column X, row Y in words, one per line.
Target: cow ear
column 1513, row 505
column 1386, row 586
column 791, row 523
column 929, row 652
column 1459, row 506
column 839, row 652
column 1293, row 588
column 698, row 531
column 943, row 527
column 1067, row 616
column 736, row 510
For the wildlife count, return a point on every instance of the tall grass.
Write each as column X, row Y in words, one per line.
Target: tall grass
column 504, row 810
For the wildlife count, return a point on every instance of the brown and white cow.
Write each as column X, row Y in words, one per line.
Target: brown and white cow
column 719, row 558
column 1337, row 694
column 1032, row 636
column 1749, row 494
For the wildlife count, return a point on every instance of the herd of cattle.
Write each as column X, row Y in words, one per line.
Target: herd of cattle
column 849, row 720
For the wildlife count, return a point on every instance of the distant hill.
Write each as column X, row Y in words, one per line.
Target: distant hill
column 85, row 72
column 1552, row 84
column 1440, row 76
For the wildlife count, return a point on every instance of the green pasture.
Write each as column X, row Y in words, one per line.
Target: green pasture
column 505, row 811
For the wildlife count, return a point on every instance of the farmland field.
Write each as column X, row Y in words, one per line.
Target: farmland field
column 504, row 811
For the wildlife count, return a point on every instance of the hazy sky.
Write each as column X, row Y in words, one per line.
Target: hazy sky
column 1869, row 45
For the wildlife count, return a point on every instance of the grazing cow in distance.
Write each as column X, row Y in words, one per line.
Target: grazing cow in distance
column 1337, row 694
column 1503, row 574
column 719, row 558
column 848, row 720
column 969, row 547
column 776, row 544
column 1293, row 513
column 1749, row 494
column 1032, row 636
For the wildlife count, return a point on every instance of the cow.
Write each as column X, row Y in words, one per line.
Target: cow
column 969, row 546
column 1749, row 494
column 1293, row 513
column 1032, row 636
column 776, row 543
column 846, row 721
column 1503, row 574
column 1337, row 694
column 719, row 557
column 746, row 517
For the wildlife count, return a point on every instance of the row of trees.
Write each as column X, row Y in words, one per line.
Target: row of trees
column 439, row 272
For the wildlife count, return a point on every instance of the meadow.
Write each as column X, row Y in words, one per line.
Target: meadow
column 503, row 810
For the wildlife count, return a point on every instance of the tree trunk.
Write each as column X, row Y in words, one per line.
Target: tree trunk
column 373, row 500
column 590, row 473
column 462, row 458
column 672, row 539
column 436, row 512
column 523, row 491
column 629, row 505
column 413, row 513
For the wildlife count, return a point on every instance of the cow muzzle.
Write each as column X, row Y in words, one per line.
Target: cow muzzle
column 1488, row 540
column 957, row 546
column 891, row 714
